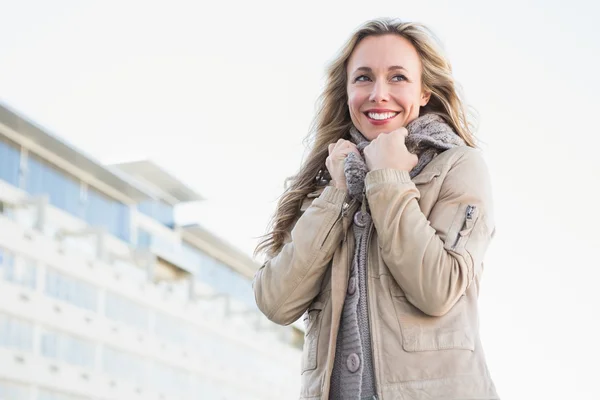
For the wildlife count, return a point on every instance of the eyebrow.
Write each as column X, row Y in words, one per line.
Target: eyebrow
column 393, row 67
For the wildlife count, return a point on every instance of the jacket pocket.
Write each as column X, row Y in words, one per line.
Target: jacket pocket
column 461, row 228
column 312, row 324
column 422, row 332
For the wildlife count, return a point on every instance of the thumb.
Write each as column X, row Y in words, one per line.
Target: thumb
column 402, row 131
column 415, row 159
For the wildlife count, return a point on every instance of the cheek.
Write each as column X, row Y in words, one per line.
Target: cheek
column 406, row 98
column 354, row 101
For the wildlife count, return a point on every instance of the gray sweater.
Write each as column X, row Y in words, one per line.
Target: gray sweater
column 353, row 376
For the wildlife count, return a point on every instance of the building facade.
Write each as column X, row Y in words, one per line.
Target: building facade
column 103, row 296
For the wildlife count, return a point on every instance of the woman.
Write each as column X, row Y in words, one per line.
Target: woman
column 380, row 237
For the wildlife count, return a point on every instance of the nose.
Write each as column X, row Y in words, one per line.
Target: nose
column 380, row 92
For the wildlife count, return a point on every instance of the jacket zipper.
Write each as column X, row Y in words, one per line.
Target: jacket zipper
column 468, row 221
column 342, row 214
column 345, row 208
column 370, row 311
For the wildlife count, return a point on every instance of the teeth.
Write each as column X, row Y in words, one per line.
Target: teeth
column 381, row 116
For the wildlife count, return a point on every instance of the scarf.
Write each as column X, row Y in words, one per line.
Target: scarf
column 428, row 136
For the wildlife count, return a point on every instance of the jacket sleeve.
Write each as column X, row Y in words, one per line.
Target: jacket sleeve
column 285, row 285
column 434, row 261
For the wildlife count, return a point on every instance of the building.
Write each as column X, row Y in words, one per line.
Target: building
column 103, row 296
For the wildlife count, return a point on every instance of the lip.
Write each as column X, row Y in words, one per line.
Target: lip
column 380, row 111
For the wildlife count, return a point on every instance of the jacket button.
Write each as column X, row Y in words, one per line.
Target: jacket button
column 353, row 362
column 359, row 219
column 352, row 285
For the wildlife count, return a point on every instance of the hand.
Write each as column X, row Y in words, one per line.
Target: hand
column 389, row 151
column 335, row 161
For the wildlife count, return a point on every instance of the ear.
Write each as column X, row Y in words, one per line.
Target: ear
column 425, row 96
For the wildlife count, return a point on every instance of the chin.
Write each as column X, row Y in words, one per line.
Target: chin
column 374, row 133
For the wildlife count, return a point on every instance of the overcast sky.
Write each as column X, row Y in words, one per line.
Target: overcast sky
column 221, row 94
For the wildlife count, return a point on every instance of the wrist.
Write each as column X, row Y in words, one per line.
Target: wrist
column 339, row 185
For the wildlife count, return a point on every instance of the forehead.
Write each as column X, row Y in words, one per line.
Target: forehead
column 381, row 52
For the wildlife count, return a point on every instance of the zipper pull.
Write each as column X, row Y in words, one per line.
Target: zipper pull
column 470, row 211
column 467, row 225
column 345, row 208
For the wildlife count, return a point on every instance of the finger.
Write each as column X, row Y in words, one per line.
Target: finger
column 342, row 144
column 345, row 148
column 330, row 148
column 367, row 150
column 402, row 131
column 342, row 153
column 415, row 159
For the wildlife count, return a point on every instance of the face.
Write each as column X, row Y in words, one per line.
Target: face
column 384, row 85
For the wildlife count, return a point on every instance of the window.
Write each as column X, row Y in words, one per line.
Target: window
column 144, row 239
column 10, row 159
column 17, row 269
column 7, row 263
column 126, row 311
column 126, row 366
column 63, row 190
column 71, row 290
column 205, row 388
column 169, row 380
column 103, row 211
column 146, row 208
column 220, row 276
column 164, row 213
column 45, row 394
column 15, row 333
column 195, row 257
column 21, row 272
column 69, row 349
column 224, row 280
column 159, row 210
column 173, row 330
column 13, row 391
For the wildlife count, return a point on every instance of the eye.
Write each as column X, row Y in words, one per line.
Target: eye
column 399, row 78
column 362, row 78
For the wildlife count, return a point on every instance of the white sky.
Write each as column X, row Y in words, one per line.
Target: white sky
column 222, row 93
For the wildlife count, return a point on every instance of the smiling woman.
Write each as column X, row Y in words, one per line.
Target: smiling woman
column 379, row 240
column 384, row 71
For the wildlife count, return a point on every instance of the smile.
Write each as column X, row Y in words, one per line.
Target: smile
column 381, row 116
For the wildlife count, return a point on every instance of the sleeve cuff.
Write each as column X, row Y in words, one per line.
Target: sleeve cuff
column 334, row 195
column 380, row 176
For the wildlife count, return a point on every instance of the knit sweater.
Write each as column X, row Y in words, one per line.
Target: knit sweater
column 353, row 365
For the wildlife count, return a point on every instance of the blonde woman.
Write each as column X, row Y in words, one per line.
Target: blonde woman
column 379, row 240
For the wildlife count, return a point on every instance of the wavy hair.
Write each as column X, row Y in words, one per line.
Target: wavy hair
column 332, row 120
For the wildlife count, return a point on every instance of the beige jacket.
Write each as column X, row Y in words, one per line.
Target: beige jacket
column 424, row 267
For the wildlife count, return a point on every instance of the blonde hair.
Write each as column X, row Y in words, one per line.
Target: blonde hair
column 333, row 122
